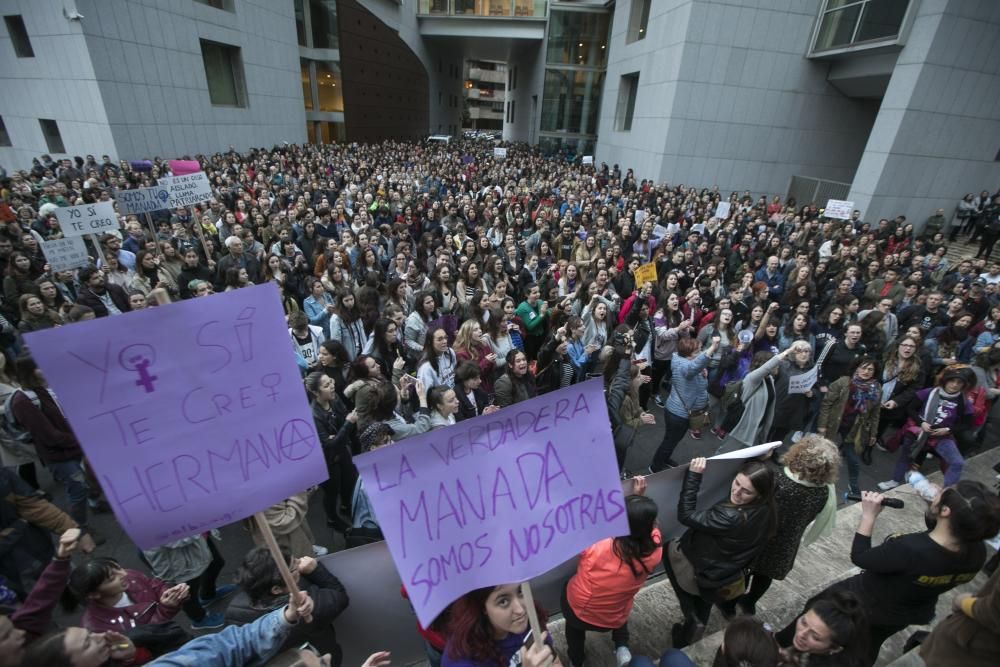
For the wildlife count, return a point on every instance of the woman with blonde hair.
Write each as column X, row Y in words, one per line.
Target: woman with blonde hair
column 471, row 345
column 807, row 504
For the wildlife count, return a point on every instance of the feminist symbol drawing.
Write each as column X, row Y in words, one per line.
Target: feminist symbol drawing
column 138, row 358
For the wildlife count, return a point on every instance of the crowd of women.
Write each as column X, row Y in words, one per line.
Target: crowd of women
column 426, row 284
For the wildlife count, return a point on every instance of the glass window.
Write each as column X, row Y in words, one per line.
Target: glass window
column 881, row 19
column 224, row 73
column 331, row 88
column 578, row 38
column 4, row 137
column 227, row 5
column 307, row 96
column 637, row 21
column 53, row 139
column 324, row 24
column 571, row 101
column 19, row 36
column 300, row 22
column 848, row 22
column 627, row 91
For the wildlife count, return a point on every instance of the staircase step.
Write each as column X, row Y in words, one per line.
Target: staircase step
column 816, row 567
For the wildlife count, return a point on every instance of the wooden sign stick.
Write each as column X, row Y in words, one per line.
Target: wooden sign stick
column 279, row 560
column 529, row 602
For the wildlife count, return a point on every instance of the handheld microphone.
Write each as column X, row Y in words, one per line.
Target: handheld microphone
column 894, row 503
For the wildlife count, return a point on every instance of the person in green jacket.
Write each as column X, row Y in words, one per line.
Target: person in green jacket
column 533, row 311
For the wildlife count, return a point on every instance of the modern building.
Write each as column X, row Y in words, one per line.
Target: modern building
column 484, row 93
column 892, row 104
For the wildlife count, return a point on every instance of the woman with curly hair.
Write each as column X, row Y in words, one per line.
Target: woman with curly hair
column 804, row 495
column 489, row 625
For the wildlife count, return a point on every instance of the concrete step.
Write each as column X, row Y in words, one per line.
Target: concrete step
column 817, row 566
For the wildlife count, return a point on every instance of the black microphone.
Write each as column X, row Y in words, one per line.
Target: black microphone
column 894, row 503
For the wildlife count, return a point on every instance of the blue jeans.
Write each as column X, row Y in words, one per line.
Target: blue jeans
column 70, row 474
column 946, row 450
column 672, row 658
column 853, row 466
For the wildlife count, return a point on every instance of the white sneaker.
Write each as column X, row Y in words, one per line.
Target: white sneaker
column 623, row 656
column 319, row 551
column 888, row 486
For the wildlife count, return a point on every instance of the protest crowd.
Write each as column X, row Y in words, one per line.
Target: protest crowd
column 425, row 284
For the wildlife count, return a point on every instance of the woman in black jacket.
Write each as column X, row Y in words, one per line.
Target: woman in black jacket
column 338, row 435
column 706, row 565
column 472, row 400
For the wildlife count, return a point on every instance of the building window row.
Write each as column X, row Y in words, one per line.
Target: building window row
column 224, row 73
column 50, row 132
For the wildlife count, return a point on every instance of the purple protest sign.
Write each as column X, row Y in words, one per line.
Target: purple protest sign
column 193, row 415
column 497, row 499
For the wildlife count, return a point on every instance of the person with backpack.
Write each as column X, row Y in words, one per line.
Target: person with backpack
column 35, row 410
column 753, row 400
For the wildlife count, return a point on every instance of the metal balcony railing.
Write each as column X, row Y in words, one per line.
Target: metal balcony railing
column 484, row 8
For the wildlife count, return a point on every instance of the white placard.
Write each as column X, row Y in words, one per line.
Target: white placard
column 87, row 219
column 142, row 200
column 500, row 153
column 838, row 209
column 588, row 159
column 722, row 210
column 800, row 384
column 187, row 190
column 66, row 253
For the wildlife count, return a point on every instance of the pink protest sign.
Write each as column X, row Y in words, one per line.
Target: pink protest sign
column 192, row 414
column 497, row 499
column 182, row 167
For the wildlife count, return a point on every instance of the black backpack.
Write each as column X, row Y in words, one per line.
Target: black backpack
column 732, row 405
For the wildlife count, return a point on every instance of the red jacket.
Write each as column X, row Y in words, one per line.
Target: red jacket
column 145, row 609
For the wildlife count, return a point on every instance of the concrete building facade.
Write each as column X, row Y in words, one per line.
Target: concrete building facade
column 139, row 78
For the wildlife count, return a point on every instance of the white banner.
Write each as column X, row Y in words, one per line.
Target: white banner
column 839, row 209
column 66, row 253
column 588, row 159
column 87, row 219
column 500, row 153
column 142, row 200
column 187, row 190
column 800, row 384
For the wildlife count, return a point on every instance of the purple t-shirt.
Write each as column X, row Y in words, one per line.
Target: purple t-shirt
column 508, row 647
column 947, row 414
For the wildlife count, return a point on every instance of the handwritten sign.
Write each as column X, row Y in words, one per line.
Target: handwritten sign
column 722, row 210
column 838, row 209
column 803, row 382
column 500, row 153
column 87, row 219
column 499, row 498
column 186, row 190
column 142, row 200
column 66, row 253
column 588, row 159
column 193, row 414
column 645, row 273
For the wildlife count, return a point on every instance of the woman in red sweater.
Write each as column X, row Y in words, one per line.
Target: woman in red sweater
column 599, row 596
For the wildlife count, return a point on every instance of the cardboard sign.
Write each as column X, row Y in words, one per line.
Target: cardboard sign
column 497, row 499
column 142, row 200
column 800, row 384
column 722, row 210
column 192, row 414
column 588, row 159
column 65, row 254
column 500, row 153
column 87, row 219
column 645, row 273
column 839, row 209
column 186, row 190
